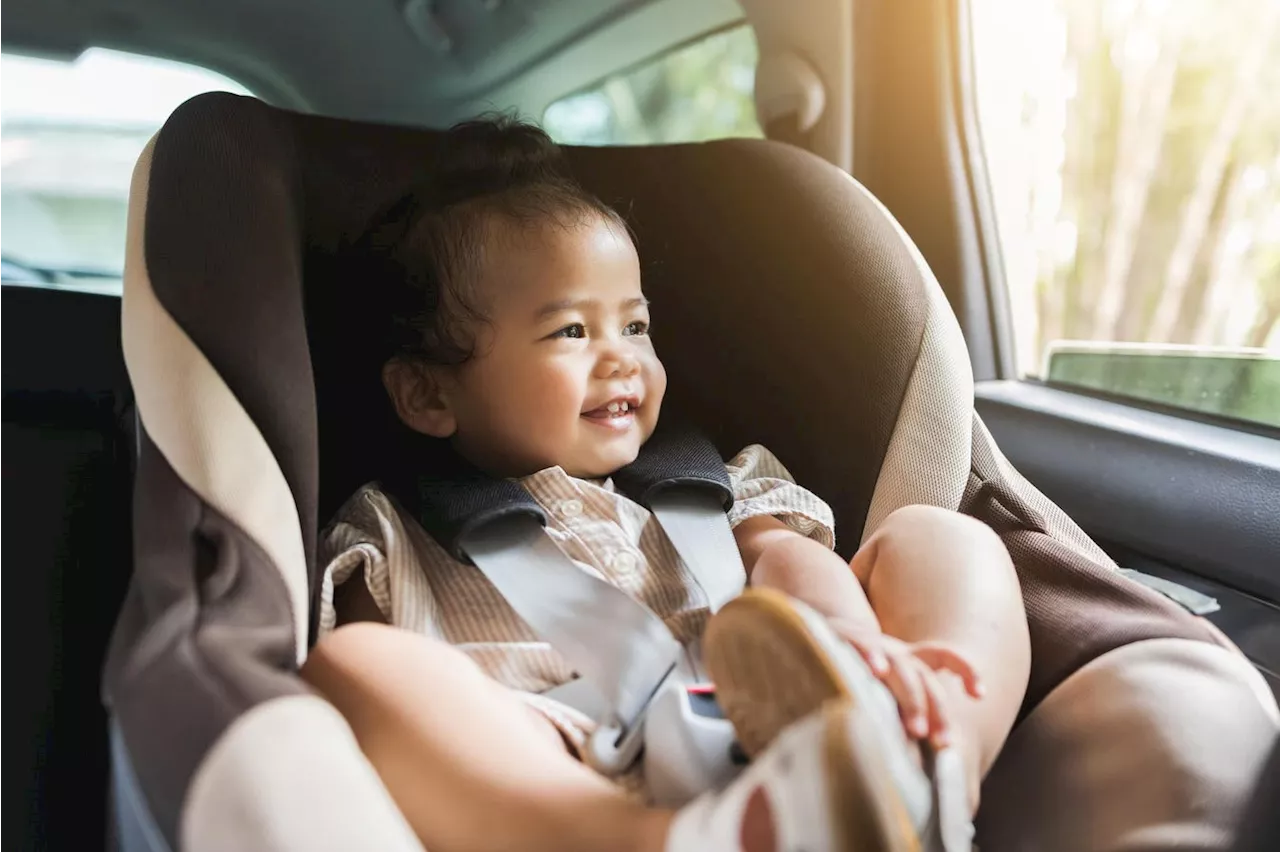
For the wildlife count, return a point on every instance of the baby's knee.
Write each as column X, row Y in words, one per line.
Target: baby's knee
column 911, row 524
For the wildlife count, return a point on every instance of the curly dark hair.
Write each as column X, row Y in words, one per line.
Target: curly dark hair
column 429, row 241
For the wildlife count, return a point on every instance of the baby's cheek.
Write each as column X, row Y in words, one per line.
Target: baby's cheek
column 553, row 402
column 656, row 388
column 656, row 374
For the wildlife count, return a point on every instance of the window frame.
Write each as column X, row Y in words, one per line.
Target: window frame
column 918, row 147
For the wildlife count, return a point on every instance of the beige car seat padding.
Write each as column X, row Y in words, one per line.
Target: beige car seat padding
column 198, row 424
column 289, row 774
column 927, row 460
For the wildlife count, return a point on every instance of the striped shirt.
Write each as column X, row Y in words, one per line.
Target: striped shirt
column 419, row 587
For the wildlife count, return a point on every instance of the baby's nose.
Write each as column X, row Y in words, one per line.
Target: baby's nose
column 621, row 363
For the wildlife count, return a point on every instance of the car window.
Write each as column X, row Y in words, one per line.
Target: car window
column 700, row 91
column 70, row 133
column 1133, row 150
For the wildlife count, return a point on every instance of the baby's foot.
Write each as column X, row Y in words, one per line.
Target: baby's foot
column 774, row 660
column 809, row 790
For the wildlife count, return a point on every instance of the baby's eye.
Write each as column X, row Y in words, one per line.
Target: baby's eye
column 639, row 328
column 575, row 331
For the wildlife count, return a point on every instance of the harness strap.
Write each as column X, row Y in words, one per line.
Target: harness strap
column 617, row 645
column 680, row 477
column 621, row 650
column 698, row 528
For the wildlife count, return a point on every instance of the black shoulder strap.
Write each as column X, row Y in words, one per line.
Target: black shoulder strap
column 452, row 498
column 675, row 457
column 456, row 498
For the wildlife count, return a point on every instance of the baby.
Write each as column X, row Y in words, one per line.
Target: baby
column 525, row 343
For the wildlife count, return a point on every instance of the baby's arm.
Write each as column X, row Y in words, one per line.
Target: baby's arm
column 777, row 556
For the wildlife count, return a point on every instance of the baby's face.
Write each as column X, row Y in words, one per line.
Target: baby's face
column 565, row 372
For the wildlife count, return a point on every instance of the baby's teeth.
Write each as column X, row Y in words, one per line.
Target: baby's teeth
column 626, row 406
column 613, row 408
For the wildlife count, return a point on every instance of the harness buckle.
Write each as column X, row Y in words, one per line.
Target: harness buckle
column 612, row 749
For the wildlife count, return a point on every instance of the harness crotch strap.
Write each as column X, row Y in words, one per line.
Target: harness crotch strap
column 621, row 650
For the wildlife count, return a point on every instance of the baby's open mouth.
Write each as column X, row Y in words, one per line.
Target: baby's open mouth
column 616, row 413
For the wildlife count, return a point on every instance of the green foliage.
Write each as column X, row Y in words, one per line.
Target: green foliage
column 1173, row 119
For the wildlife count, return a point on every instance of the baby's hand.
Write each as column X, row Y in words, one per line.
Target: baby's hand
column 910, row 671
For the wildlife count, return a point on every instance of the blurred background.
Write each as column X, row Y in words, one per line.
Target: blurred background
column 1134, row 154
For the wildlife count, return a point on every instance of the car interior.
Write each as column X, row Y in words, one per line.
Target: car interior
column 1181, row 488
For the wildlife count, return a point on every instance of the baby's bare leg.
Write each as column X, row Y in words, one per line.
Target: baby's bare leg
column 937, row 576
column 469, row 764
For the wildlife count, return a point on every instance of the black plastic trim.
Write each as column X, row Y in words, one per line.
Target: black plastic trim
column 1253, row 624
column 1192, row 495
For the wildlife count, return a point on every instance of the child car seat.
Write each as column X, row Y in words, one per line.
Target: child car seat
column 795, row 312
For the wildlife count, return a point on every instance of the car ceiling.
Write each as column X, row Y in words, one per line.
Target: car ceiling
column 390, row 60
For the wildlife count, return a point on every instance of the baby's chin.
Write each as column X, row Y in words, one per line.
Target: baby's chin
column 601, row 463
column 584, row 458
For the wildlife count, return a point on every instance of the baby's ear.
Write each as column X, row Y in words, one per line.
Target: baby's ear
column 419, row 397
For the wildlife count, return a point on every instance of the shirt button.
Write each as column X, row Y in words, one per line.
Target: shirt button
column 571, row 508
column 624, row 562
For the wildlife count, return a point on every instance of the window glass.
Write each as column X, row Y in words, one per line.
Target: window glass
column 70, row 133
column 1133, row 148
column 697, row 92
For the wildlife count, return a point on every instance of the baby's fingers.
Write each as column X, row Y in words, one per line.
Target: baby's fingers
column 905, row 683
column 939, row 721
column 944, row 658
